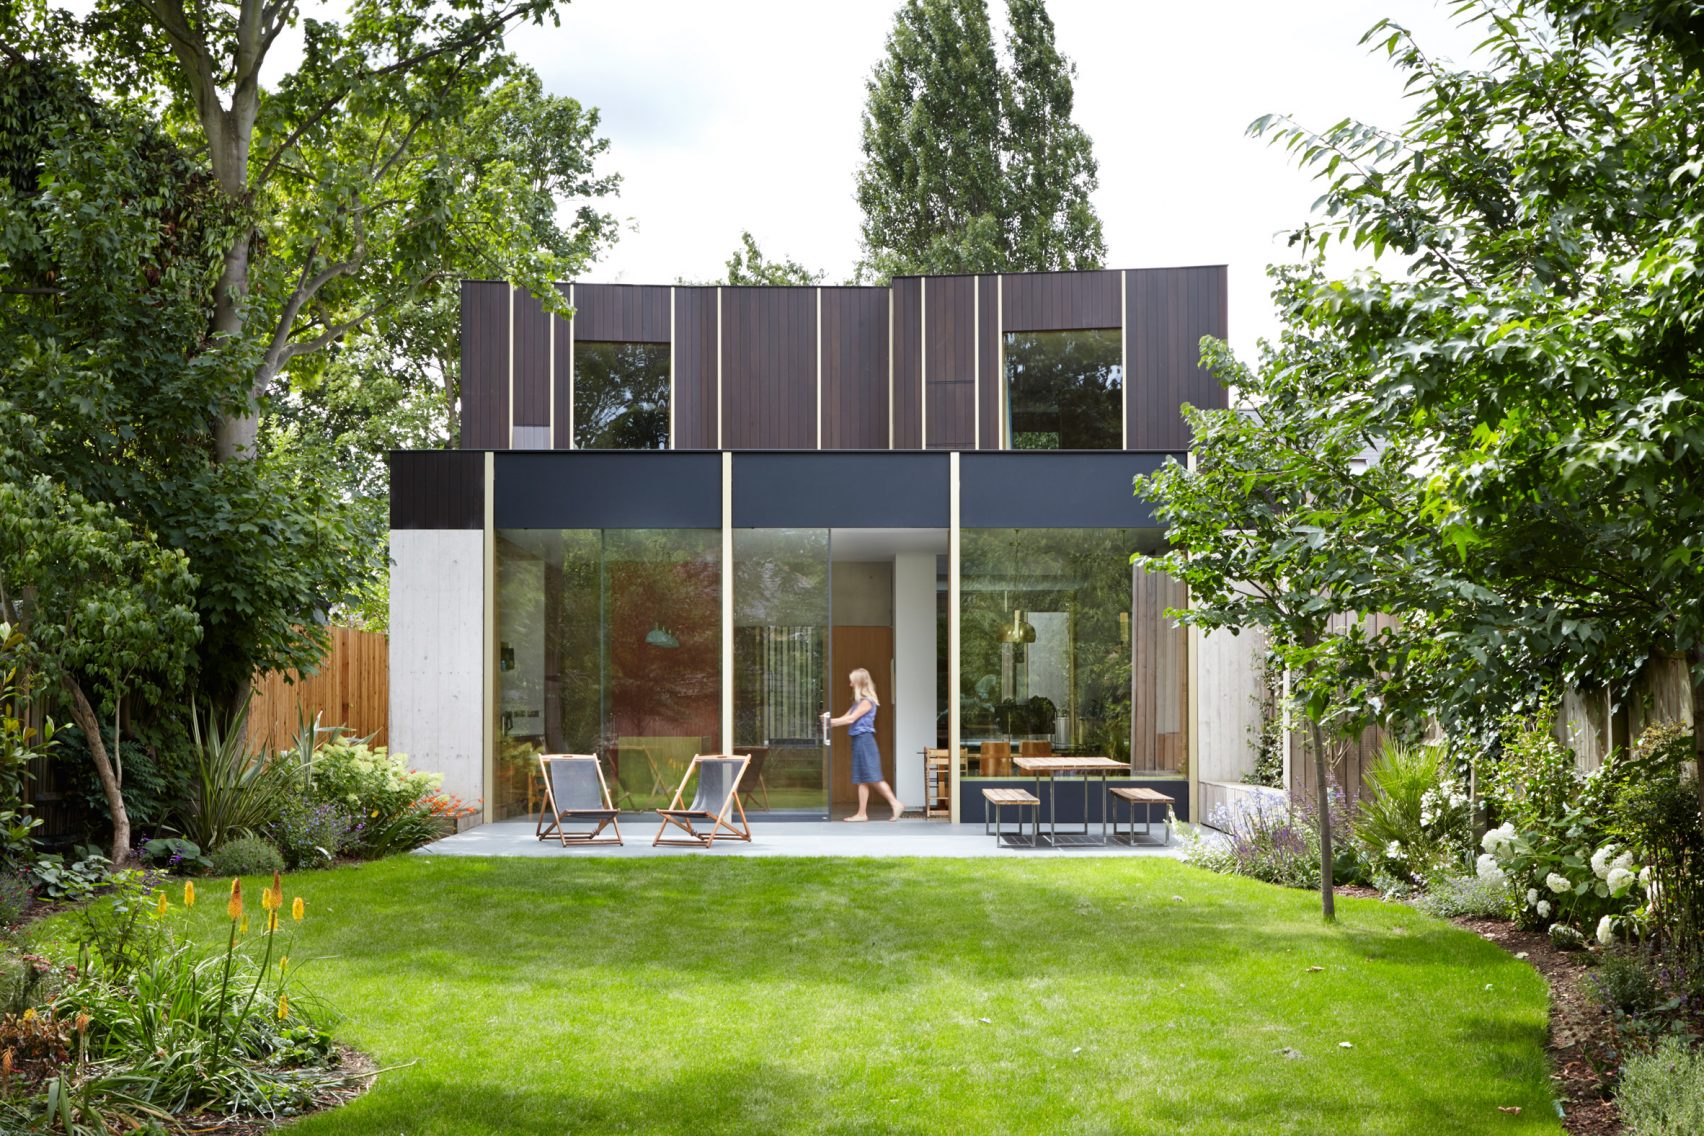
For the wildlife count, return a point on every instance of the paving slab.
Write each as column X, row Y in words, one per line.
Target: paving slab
column 796, row 838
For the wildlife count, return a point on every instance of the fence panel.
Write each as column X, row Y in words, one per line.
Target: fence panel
column 351, row 688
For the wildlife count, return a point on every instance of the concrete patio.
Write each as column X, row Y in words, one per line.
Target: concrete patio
column 907, row 837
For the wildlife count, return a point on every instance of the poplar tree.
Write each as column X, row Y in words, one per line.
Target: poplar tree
column 971, row 166
column 1050, row 164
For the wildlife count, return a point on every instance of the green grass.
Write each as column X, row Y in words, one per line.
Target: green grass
column 715, row 994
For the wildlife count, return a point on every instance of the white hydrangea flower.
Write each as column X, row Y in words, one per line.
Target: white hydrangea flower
column 1620, row 879
column 1645, row 877
column 1558, row 884
column 1498, row 838
column 1623, row 861
column 1606, row 930
column 1544, row 909
column 1600, row 861
column 1532, row 897
column 1487, row 868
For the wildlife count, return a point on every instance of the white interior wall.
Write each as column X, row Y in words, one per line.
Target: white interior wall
column 437, row 654
column 914, row 664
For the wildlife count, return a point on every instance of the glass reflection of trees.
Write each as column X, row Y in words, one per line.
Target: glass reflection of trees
column 1073, row 588
column 621, row 396
column 618, row 632
column 1064, row 390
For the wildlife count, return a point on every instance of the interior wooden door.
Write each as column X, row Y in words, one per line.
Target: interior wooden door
column 872, row 649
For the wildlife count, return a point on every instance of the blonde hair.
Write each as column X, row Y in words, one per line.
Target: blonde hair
column 863, row 686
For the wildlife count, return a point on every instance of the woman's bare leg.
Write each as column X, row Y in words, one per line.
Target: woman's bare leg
column 898, row 809
column 863, row 803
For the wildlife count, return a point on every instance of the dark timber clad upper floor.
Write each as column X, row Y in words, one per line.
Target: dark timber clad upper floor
column 912, row 366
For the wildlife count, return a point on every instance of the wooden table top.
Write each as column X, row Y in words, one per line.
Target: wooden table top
column 1068, row 764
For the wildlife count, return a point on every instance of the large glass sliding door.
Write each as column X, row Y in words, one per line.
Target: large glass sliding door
column 781, row 641
column 608, row 642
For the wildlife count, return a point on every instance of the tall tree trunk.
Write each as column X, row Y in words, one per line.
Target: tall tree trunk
column 84, row 715
column 1327, row 896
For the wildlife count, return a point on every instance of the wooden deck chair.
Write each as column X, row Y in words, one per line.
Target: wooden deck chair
column 575, row 790
column 716, row 801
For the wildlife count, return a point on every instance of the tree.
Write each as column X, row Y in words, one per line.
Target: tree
column 1287, row 519
column 969, row 167
column 101, row 607
column 405, row 150
column 109, row 253
column 748, row 266
column 1051, row 167
column 1545, row 334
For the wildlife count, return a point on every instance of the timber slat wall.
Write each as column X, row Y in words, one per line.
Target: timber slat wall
column 949, row 356
column 855, row 393
column 695, row 361
column 769, row 381
column 916, row 365
column 351, row 688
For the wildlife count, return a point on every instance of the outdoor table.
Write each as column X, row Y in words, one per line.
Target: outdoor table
column 1053, row 766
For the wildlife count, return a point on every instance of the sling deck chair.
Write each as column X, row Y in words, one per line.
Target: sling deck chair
column 575, row 790
column 715, row 801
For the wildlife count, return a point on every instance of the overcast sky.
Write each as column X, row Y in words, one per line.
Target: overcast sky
column 744, row 114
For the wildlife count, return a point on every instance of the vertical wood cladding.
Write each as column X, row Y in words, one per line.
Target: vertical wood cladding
column 1061, row 301
column 988, row 376
column 769, row 388
column 855, row 368
column 766, row 345
column 621, row 313
column 561, row 378
column 1168, row 311
column 695, row 369
column 437, row 489
column 949, row 348
column 907, row 363
column 485, row 365
column 532, row 362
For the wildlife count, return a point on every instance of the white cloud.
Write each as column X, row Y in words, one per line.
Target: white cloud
column 746, row 116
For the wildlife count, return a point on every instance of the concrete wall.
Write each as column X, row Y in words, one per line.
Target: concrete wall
column 914, row 655
column 437, row 654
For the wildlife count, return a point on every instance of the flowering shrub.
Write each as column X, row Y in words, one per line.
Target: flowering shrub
column 392, row 808
column 1270, row 839
column 311, row 834
column 148, row 1025
column 1557, row 848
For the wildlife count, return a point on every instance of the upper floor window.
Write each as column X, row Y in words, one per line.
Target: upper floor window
column 621, row 396
column 1065, row 390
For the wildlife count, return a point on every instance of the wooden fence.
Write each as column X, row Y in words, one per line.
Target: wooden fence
column 351, row 688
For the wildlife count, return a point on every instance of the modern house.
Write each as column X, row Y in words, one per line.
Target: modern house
column 681, row 516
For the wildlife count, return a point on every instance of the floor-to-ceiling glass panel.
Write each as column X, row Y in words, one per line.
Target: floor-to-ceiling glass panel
column 781, row 622
column 1056, row 634
column 609, row 642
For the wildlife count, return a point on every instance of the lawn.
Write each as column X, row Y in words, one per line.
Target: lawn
column 717, row 994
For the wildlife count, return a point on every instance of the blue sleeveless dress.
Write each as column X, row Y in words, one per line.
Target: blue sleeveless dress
column 866, row 759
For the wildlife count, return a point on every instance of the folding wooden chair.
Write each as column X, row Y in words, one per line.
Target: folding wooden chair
column 575, row 790
column 715, row 800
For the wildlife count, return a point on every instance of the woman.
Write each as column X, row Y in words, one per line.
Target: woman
column 866, row 759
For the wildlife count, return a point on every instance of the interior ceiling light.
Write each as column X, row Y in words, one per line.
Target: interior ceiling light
column 1021, row 630
column 661, row 637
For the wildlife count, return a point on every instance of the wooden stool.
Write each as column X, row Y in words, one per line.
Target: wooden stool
column 1147, row 798
column 1020, row 799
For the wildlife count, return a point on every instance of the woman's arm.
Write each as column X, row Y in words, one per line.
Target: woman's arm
column 853, row 714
